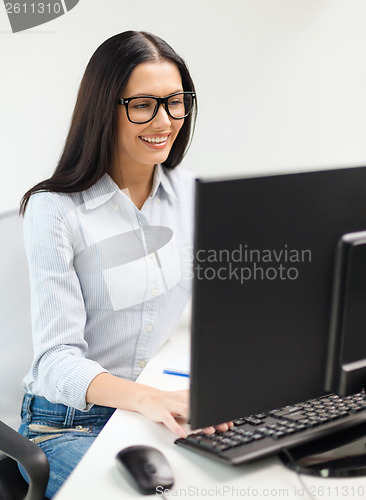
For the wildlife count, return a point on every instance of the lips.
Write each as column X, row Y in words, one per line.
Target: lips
column 158, row 141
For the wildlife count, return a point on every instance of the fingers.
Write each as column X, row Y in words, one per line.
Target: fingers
column 209, row 430
column 171, row 408
column 179, row 410
column 175, row 406
column 167, row 407
column 224, row 427
column 172, row 424
column 220, row 427
column 176, row 411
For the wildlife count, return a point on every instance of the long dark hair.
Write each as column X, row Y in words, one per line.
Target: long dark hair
column 90, row 144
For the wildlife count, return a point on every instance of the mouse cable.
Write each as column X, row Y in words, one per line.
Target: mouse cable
column 295, row 469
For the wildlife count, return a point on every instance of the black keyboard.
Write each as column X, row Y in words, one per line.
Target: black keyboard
column 267, row 433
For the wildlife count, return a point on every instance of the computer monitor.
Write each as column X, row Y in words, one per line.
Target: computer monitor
column 263, row 292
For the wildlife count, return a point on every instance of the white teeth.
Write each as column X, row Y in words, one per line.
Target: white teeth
column 155, row 140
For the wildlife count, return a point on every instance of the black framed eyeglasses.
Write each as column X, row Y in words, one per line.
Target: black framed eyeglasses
column 144, row 108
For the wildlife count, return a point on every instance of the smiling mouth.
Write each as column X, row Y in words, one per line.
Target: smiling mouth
column 162, row 139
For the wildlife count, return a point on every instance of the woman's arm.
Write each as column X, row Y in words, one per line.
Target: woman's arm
column 61, row 372
column 159, row 406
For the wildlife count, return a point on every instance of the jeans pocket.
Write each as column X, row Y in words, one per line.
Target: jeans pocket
column 49, row 429
column 48, row 432
column 42, row 439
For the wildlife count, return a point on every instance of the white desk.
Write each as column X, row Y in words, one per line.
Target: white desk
column 97, row 477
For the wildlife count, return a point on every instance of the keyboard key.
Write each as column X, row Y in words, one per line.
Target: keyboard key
column 356, row 409
column 208, row 443
column 268, row 432
column 240, row 431
column 245, row 440
column 254, row 421
column 286, row 411
column 323, row 414
column 295, row 416
column 257, row 436
column 228, row 434
column 278, row 435
column 194, row 438
column 281, row 428
column 290, row 430
column 306, row 406
column 300, row 427
column 323, row 419
column 233, row 442
column 239, row 421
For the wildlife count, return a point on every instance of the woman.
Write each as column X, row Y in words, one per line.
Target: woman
column 105, row 238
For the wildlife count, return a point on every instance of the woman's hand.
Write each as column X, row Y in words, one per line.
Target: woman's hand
column 168, row 407
column 172, row 409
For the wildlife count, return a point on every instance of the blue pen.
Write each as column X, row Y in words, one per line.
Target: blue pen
column 174, row 372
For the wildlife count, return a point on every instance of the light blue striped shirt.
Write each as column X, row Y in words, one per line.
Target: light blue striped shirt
column 108, row 281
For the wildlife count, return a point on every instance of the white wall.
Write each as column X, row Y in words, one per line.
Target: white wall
column 293, row 73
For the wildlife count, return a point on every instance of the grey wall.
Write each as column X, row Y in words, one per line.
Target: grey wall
column 293, row 73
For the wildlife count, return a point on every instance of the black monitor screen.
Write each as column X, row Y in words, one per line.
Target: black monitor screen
column 264, row 260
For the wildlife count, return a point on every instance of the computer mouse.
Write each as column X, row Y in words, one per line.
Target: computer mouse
column 146, row 468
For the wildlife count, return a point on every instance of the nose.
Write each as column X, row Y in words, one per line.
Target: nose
column 162, row 119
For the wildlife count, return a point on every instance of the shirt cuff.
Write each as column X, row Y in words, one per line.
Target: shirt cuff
column 76, row 377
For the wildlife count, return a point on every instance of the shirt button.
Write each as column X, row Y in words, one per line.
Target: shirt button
column 149, row 328
column 158, row 199
column 152, row 256
column 154, row 292
column 142, row 363
column 116, row 207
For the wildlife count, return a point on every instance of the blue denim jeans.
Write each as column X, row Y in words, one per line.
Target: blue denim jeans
column 63, row 433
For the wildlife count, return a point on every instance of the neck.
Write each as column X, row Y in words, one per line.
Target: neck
column 138, row 181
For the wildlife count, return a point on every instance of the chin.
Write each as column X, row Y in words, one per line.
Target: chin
column 156, row 159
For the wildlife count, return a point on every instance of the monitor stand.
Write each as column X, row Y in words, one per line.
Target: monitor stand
column 342, row 454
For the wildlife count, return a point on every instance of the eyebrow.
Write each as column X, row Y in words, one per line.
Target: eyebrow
column 152, row 95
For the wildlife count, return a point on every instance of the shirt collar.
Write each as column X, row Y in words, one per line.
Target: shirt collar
column 160, row 178
column 105, row 188
column 99, row 193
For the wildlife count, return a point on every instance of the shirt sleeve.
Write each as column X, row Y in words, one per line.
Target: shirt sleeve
column 61, row 369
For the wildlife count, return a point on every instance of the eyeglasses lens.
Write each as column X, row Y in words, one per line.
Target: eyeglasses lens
column 180, row 105
column 142, row 109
